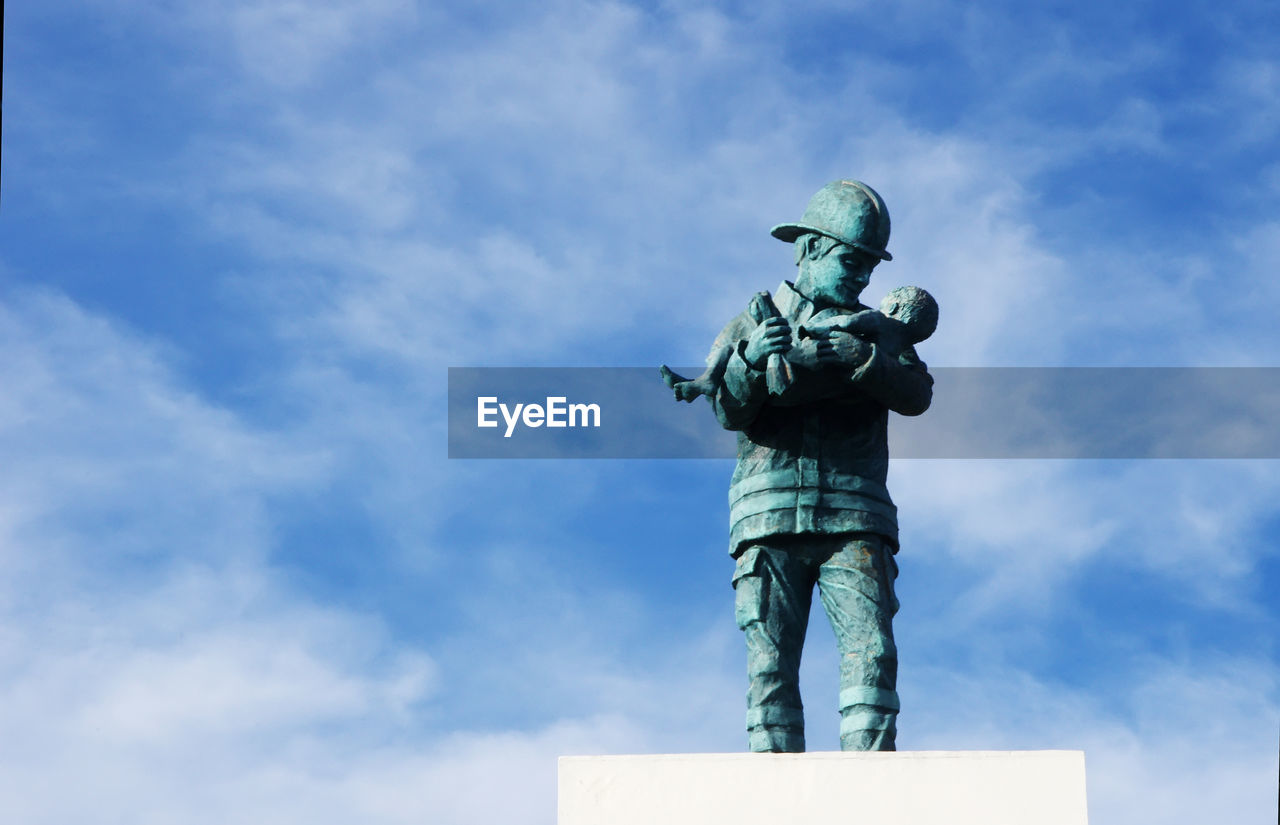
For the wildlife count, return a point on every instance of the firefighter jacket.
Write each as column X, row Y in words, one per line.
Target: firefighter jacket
column 814, row 459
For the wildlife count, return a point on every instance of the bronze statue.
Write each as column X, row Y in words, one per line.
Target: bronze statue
column 807, row 377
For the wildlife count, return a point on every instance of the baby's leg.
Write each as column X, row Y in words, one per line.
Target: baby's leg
column 705, row 384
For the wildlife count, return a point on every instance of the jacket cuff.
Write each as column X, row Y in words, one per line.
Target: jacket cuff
column 905, row 390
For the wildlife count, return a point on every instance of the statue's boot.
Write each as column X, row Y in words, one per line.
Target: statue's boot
column 775, row 740
column 866, row 727
column 868, row 740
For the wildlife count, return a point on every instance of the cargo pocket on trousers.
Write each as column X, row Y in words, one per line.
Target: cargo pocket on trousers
column 891, row 575
column 748, row 588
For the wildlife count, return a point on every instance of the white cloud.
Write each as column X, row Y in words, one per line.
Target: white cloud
column 1025, row 529
column 96, row 431
column 284, row 45
column 229, row 711
column 1164, row 741
column 152, row 659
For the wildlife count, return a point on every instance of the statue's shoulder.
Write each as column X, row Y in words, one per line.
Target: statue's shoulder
column 785, row 300
column 738, row 329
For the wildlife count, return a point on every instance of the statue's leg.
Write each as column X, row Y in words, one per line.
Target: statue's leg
column 856, row 586
column 773, row 591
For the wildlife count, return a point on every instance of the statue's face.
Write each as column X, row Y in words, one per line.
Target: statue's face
column 838, row 277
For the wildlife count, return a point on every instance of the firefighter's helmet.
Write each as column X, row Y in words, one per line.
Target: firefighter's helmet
column 847, row 210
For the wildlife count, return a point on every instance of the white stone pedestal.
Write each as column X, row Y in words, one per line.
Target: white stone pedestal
column 907, row 788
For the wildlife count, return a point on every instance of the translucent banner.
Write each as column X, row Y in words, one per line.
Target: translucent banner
column 1060, row 412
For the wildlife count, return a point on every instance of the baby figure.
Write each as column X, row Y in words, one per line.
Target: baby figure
column 907, row 316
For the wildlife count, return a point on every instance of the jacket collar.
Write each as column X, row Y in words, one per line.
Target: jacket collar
column 792, row 304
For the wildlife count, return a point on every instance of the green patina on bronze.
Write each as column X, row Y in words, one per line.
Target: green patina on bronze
column 807, row 377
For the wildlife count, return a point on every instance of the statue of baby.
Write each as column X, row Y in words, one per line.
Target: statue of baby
column 907, row 316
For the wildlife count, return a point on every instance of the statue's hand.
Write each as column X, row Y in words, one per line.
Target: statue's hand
column 774, row 335
column 842, row 349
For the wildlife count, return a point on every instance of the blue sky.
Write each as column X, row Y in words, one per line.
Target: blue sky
column 241, row 243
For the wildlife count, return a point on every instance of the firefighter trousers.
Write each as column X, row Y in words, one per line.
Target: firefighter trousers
column 773, row 584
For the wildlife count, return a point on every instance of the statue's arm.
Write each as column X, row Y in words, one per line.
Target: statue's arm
column 902, row 383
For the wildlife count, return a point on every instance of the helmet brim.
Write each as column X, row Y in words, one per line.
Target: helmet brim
column 790, row 231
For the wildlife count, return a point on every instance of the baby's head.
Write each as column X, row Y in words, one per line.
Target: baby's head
column 914, row 307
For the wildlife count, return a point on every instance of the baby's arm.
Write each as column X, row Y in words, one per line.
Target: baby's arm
column 866, row 324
